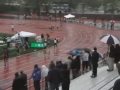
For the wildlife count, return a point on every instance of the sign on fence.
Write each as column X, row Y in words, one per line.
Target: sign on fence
column 37, row 45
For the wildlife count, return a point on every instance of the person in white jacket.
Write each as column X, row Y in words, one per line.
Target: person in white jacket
column 85, row 58
column 44, row 73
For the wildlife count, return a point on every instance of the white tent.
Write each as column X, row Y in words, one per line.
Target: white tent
column 23, row 34
column 69, row 16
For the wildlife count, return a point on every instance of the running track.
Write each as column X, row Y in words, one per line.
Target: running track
column 71, row 36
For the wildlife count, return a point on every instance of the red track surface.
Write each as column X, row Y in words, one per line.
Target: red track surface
column 71, row 36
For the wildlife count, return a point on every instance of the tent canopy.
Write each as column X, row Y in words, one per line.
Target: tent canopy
column 69, row 16
column 23, row 34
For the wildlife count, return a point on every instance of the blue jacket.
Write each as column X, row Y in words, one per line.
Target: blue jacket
column 36, row 75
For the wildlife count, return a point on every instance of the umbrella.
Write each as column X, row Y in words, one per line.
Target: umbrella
column 23, row 34
column 109, row 39
column 75, row 52
column 69, row 16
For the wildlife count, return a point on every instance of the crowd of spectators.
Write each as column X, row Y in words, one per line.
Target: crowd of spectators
column 60, row 73
column 57, row 73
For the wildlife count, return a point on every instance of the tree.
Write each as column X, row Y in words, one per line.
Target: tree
column 110, row 6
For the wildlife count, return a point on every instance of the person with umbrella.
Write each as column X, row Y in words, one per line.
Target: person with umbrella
column 112, row 40
column 111, row 56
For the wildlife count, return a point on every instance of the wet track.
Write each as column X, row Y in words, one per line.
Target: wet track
column 71, row 36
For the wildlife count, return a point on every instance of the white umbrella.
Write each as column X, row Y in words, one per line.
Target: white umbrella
column 109, row 39
column 69, row 16
column 23, row 34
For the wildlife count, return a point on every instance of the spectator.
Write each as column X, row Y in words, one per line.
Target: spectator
column 85, row 58
column 95, row 58
column 59, row 65
column 78, row 64
column 75, row 66
column 44, row 73
column 16, row 82
column 117, row 55
column 52, row 64
column 89, row 60
column 69, row 61
column 65, row 78
column 110, row 60
column 54, row 77
column 116, row 85
column 23, row 79
column 36, row 75
column 117, row 82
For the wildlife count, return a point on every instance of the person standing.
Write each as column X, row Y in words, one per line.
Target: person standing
column 65, row 77
column 85, row 58
column 75, row 66
column 94, row 58
column 117, row 55
column 5, row 56
column 89, row 61
column 44, row 73
column 78, row 64
column 54, row 77
column 116, row 85
column 55, row 42
column 55, row 46
column 36, row 75
column 110, row 60
column 12, row 28
column 23, row 79
column 16, row 82
column 112, row 22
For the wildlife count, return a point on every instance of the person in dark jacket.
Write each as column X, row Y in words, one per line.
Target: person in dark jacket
column 65, row 78
column 78, row 64
column 117, row 56
column 75, row 66
column 23, row 78
column 36, row 75
column 117, row 53
column 54, row 77
column 94, row 58
column 59, row 64
column 16, row 82
column 117, row 82
column 116, row 85
column 110, row 61
column 89, row 61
